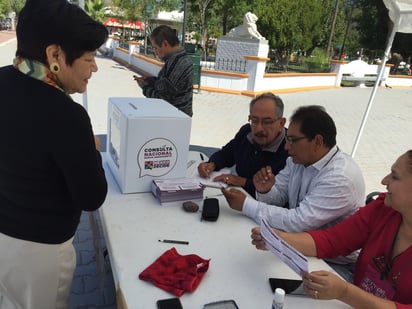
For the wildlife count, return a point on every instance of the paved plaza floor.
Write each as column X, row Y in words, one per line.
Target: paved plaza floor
column 217, row 117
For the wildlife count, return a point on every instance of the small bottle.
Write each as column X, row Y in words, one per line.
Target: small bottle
column 278, row 299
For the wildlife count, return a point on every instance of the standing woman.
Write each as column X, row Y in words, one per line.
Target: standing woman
column 50, row 168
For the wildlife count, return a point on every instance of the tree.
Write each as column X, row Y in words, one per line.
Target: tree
column 373, row 26
column 4, row 8
column 201, row 11
column 16, row 5
column 291, row 25
column 230, row 13
column 95, row 8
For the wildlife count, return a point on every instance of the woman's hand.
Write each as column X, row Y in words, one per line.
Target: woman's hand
column 324, row 284
column 257, row 239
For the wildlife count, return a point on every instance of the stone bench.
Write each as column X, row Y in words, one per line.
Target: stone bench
column 360, row 72
column 360, row 80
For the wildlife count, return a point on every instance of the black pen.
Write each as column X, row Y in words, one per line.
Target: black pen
column 201, row 157
column 171, row 241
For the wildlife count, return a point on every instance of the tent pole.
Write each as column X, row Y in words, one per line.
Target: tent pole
column 375, row 87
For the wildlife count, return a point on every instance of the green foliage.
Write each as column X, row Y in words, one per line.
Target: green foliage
column 289, row 25
column 292, row 25
column 140, row 10
column 318, row 61
column 373, row 24
column 229, row 13
column 129, row 10
column 95, row 8
column 4, row 8
column 16, row 5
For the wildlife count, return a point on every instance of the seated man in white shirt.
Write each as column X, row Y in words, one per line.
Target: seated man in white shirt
column 319, row 186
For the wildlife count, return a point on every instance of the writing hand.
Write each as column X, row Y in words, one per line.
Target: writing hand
column 205, row 168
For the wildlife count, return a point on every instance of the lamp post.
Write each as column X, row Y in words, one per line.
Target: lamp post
column 332, row 30
column 184, row 23
column 347, row 29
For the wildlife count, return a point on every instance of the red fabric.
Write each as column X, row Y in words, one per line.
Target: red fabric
column 372, row 228
column 176, row 273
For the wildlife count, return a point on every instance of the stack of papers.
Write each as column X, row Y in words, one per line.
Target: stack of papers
column 173, row 190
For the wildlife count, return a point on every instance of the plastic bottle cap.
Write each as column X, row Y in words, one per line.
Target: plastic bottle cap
column 279, row 296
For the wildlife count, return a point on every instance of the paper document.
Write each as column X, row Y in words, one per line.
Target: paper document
column 208, row 182
column 286, row 253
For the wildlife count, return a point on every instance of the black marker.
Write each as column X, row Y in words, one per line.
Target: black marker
column 201, row 157
column 171, row 241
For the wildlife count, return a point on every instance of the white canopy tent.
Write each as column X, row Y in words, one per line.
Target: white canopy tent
column 400, row 12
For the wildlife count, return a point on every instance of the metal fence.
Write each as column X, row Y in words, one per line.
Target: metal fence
column 228, row 65
column 274, row 66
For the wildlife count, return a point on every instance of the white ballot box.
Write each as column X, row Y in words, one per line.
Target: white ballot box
column 146, row 139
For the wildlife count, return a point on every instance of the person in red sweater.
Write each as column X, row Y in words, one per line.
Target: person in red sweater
column 383, row 230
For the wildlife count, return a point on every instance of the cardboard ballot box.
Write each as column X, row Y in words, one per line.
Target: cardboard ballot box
column 146, row 139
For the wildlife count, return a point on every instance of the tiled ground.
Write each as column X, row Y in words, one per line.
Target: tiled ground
column 92, row 288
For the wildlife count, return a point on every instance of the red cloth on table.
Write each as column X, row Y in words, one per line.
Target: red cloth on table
column 176, row 273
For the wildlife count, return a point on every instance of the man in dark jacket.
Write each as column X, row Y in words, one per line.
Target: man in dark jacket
column 259, row 143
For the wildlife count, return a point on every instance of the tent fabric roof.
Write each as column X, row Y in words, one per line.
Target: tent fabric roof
column 400, row 12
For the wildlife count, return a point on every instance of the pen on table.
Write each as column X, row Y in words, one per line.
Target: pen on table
column 172, row 241
column 201, row 157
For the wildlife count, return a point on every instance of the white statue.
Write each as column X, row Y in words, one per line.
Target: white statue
column 248, row 29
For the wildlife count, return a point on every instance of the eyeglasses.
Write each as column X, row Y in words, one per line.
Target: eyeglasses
column 265, row 122
column 293, row 139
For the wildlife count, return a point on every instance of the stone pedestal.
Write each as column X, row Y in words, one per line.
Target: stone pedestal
column 231, row 51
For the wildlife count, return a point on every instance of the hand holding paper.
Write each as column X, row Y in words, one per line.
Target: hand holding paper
column 286, row 253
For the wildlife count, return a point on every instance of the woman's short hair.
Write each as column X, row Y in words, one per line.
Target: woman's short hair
column 45, row 22
column 164, row 33
column 313, row 120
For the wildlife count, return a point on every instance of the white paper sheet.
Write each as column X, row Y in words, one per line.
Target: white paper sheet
column 286, row 253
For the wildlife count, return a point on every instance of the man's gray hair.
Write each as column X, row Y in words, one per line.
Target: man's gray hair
column 269, row 95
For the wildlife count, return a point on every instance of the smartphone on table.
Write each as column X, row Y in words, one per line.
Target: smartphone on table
column 290, row 286
column 169, row 303
column 222, row 304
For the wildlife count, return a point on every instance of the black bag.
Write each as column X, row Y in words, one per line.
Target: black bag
column 210, row 211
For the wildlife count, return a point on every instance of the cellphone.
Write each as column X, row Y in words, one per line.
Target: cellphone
column 290, row 286
column 169, row 303
column 222, row 304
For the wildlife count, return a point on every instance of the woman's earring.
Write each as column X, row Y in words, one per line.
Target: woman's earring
column 55, row 68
